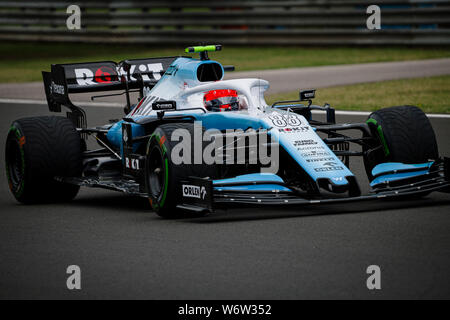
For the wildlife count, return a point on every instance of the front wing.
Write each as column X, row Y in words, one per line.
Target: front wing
column 274, row 193
column 199, row 195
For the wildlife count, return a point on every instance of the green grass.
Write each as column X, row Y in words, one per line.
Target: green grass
column 21, row 62
column 431, row 94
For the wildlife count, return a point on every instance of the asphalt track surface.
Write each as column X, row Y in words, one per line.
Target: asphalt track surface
column 126, row 251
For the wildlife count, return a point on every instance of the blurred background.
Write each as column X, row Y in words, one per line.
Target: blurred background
column 250, row 22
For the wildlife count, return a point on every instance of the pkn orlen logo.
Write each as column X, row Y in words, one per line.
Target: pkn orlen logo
column 190, row 191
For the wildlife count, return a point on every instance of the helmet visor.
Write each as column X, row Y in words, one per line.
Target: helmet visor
column 223, row 104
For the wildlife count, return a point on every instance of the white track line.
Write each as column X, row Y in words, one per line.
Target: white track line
column 119, row 105
column 348, row 113
column 367, row 113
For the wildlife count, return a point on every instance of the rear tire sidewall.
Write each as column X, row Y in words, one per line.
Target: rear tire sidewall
column 42, row 157
column 15, row 160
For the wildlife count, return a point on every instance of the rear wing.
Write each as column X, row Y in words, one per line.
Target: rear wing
column 64, row 79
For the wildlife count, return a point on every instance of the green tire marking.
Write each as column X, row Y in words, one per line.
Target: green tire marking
column 163, row 200
column 159, row 138
column 381, row 135
column 19, row 191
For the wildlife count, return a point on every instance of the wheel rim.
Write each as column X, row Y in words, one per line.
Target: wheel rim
column 14, row 163
column 156, row 173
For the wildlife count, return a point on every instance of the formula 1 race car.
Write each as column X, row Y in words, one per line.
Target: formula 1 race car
column 194, row 142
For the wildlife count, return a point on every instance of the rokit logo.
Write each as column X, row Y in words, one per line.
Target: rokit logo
column 190, row 191
column 106, row 74
column 293, row 130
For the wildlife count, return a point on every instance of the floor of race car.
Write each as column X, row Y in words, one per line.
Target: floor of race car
column 316, row 251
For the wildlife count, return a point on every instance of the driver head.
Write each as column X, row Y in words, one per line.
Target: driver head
column 221, row 100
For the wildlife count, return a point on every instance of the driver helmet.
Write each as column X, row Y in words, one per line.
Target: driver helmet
column 221, row 100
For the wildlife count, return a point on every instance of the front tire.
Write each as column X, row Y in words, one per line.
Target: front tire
column 163, row 177
column 404, row 134
column 37, row 150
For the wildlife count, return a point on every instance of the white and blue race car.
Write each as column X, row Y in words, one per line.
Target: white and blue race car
column 194, row 142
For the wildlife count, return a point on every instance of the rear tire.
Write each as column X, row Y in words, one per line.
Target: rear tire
column 37, row 150
column 405, row 134
column 163, row 177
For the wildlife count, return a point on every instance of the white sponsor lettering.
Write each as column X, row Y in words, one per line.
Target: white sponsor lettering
column 84, row 77
column 156, row 69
